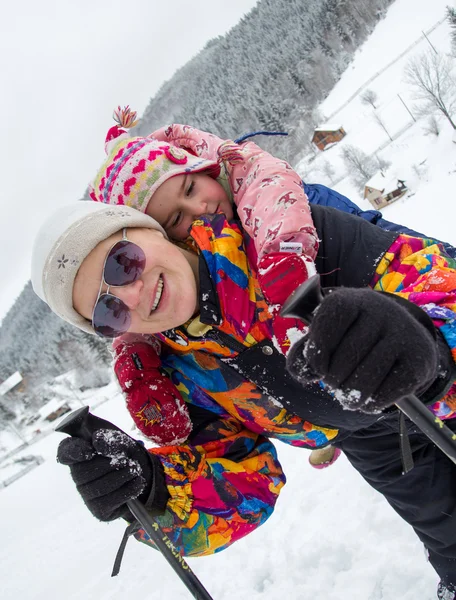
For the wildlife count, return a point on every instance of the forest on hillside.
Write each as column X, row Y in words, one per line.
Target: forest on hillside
column 269, row 72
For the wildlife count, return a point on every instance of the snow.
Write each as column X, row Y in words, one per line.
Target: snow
column 328, row 127
column 326, row 540
column 331, row 536
column 9, row 383
column 377, row 182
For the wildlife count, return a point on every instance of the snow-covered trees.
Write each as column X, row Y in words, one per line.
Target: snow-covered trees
column 432, row 77
column 280, row 60
column 360, row 166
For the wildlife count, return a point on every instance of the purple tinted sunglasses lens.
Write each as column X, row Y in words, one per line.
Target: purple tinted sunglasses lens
column 111, row 316
column 124, row 264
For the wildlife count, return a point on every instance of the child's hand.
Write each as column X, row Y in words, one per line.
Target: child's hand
column 153, row 401
column 371, row 348
column 132, row 338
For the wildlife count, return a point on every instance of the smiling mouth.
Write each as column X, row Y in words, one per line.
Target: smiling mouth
column 158, row 294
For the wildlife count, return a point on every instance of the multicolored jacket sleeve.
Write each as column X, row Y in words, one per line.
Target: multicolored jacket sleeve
column 417, row 269
column 268, row 193
column 222, row 487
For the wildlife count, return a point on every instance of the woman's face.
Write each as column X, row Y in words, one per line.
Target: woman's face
column 166, row 264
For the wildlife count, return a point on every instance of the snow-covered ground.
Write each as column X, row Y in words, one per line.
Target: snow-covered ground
column 331, row 537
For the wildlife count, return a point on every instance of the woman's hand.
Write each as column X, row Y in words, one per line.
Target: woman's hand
column 110, row 470
column 370, row 348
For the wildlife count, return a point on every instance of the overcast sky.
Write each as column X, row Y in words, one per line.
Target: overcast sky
column 64, row 66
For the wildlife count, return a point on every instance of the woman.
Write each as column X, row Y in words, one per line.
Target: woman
column 223, row 482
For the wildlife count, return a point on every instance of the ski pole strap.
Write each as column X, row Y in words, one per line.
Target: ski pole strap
column 132, row 528
column 241, row 139
column 436, row 430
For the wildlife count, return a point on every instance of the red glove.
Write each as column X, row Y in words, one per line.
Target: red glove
column 153, row 401
column 279, row 274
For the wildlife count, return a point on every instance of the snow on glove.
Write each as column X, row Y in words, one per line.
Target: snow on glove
column 153, row 401
column 111, row 470
column 371, row 348
column 279, row 274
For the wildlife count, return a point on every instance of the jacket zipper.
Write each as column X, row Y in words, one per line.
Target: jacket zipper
column 224, row 339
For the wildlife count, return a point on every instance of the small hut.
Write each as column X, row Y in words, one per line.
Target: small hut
column 327, row 135
column 381, row 191
column 11, row 383
column 54, row 409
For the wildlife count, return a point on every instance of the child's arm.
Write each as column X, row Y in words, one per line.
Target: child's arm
column 199, row 143
column 152, row 400
column 270, row 200
column 268, row 193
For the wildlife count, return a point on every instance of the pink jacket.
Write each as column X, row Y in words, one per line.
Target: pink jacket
column 268, row 193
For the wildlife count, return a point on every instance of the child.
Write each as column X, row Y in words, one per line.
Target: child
column 234, row 380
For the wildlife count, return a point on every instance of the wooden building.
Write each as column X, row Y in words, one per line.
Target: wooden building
column 53, row 410
column 327, row 135
column 381, row 190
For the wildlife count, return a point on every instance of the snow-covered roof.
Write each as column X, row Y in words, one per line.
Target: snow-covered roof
column 328, row 127
column 383, row 182
column 377, row 181
column 51, row 407
column 9, row 383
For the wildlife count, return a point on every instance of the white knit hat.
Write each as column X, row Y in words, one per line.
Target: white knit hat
column 65, row 240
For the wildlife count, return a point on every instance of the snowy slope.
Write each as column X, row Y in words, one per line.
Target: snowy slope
column 331, row 537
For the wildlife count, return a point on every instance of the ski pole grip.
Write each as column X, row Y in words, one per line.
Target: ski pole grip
column 302, row 304
column 304, row 300
column 81, row 423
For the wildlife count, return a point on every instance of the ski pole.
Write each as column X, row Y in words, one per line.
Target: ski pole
column 302, row 304
column 81, row 423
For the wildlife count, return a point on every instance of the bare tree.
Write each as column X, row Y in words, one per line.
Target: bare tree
column 369, row 97
column 379, row 121
column 328, row 170
column 361, row 167
column 432, row 126
column 383, row 163
column 430, row 75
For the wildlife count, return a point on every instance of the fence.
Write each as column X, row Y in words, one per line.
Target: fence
column 35, row 461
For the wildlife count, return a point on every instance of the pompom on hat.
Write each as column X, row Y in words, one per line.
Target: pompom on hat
column 65, row 239
column 137, row 166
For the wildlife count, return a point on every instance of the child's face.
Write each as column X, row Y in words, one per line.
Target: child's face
column 184, row 198
column 165, row 263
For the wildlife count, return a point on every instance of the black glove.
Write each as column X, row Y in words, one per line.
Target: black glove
column 371, row 348
column 112, row 469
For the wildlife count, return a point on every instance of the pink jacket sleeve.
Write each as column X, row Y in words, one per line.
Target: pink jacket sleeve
column 271, row 202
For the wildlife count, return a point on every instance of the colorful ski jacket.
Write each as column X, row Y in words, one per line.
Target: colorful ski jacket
column 225, row 481
column 267, row 192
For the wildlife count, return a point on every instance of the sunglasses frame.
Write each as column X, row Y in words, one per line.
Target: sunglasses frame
column 108, row 286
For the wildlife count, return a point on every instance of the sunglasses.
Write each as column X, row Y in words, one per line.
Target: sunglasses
column 123, row 265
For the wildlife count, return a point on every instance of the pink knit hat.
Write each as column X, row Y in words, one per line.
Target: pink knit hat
column 137, row 166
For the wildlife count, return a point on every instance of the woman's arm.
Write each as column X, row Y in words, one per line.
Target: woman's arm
column 418, row 270
column 220, row 489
